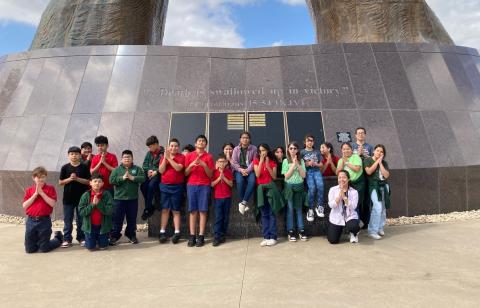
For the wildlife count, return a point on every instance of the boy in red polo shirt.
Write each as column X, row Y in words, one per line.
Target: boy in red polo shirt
column 104, row 162
column 38, row 203
column 222, row 191
column 199, row 169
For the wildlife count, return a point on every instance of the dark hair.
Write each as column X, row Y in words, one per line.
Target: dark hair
column 227, row 143
column 245, row 133
column 283, row 151
column 127, row 152
column 151, row 140
column 346, row 143
column 269, row 152
column 189, row 148
column 364, row 130
column 295, row 144
column 221, row 156
column 383, row 148
column 344, row 171
column 201, row 137
column 74, row 149
column 329, row 146
column 308, row 136
column 176, row 141
column 101, row 140
column 39, row 171
column 95, row 176
column 86, row 144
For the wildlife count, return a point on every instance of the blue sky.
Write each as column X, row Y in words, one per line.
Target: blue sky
column 234, row 23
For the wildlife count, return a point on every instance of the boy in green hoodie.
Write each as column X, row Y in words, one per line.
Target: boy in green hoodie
column 96, row 209
column 126, row 179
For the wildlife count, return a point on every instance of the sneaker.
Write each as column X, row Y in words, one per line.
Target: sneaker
column 66, row 244
column 302, row 235
column 353, row 238
column 114, row 240
column 58, row 235
column 241, row 208
column 216, row 242
column 175, row 238
column 222, row 239
column 133, row 239
column 374, row 236
column 200, row 241
column 82, row 243
column 310, row 216
column 264, row 242
column 271, row 242
column 320, row 211
column 291, row 236
column 163, row 238
column 381, row 233
column 191, row 241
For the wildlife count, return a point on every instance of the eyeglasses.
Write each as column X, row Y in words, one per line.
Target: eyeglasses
column 292, row 148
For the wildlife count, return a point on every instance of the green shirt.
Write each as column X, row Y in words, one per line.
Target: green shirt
column 126, row 189
column 296, row 178
column 356, row 161
column 105, row 206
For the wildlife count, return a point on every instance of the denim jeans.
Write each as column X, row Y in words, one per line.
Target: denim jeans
column 37, row 235
column 222, row 213
column 149, row 188
column 69, row 211
column 245, row 185
column 128, row 209
column 269, row 222
column 290, row 213
column 94, row 237
column 315, row 185
column 378, row 215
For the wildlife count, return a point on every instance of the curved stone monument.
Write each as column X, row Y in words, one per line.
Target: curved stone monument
column 68, row 23
column 374, row 21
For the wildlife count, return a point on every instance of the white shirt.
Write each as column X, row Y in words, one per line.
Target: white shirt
column 337, row 216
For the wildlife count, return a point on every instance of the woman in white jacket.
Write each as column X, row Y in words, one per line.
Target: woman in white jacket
column 343, row 201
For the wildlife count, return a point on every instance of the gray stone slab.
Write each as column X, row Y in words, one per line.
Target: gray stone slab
column 452, row 189
column 384, row 47
column 442, row 138
column 264, row 81
column 334, row 86
column 48, row 145
column 395, row 82
column 381, row 130
column 406, row 47
column 421, row 82
column 475, row 116
column 422, row 191
column 264, row 52
column 449, row 95
column 158, row 84
column 13, row 75
column 431, row 48
column 227, row 85
column 118, row 128
column 473, row 74
column 413, row 139
column 8, row 130
column 12, row 187
column 132, row 50
column 327, row 49
column 157, row 50
column 94, row 86
column 462, row 82
column 301, row 92
column 24, row 142
column 192, row 84
column 468, row 139
column 339, row 121
column 122, row 94
column 146, row 124
column 228, row 53
column 17, row 56
column 398, row 187
column 366, row 82
column 295, row 50
column 22, row 93
column 194, row 51
column 357, row 48
column 473, row 182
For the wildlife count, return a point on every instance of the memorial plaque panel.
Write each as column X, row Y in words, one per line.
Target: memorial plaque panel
column 300, row 90
column 264, row 84
column 227, row 85
column 187, row 126
column 339, row 121
column 192, row 84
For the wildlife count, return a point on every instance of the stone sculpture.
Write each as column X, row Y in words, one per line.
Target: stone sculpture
column 67, row 23
column 349, row 21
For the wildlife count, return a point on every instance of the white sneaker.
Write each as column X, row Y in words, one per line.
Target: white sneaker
column 271, row 242
column 320, row 211
column 374, row 236
column 241, row 208
column 381, row 233
column 264, row 242
column 310, row 216
column 353, row 238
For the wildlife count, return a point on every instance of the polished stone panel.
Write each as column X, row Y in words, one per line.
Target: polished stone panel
column 413, row 139
column 264, row 80
column 468, row 138
column 192, row 84
column 444, row 143
column 124, row 85
column 405, row 47
column 132, row 50
column 334, row 87
column 398, row 196
column 339, row 121
column 95, row 83
column 384, row 47
column 327, row 49
column 8, row 130
column 421, row 82
column 48, row 146
column 473, row 183
column 118, row 128
column 13, row 75
column 473, row 74
column 462, row 82
column 395, row 82
column 422, row 191
column 227, row 85
column 158, row 82
column 453, row 189
column 381, row 130
column 146, row 124
column 13, row 185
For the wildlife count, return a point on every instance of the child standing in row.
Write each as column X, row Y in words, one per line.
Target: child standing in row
column 313, row 162
column 222, row 187
column 104, row 162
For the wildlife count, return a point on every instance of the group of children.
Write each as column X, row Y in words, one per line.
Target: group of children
column 103, row 193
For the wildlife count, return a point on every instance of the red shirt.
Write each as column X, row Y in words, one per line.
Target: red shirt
column 328, row 171
column 111, row 159
column 197, row 173
column 222, row 190
column 265, row 176
column 39, row 206
column 96, row 216
column 172, row 176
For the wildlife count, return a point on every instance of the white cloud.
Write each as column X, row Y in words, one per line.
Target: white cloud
column 24, row 11
column 277, row 43
column 293, row 2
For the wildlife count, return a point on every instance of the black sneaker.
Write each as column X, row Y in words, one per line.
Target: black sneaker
column 175, row 238
column 58, row 235
column 133, row 239
column 191, row 241
column 216, row 241
column 291, row 236
column 114, row 240
column 222, row 239
column 302, row 235
column 163, row 238
column 147, row 214
column 200, row 241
